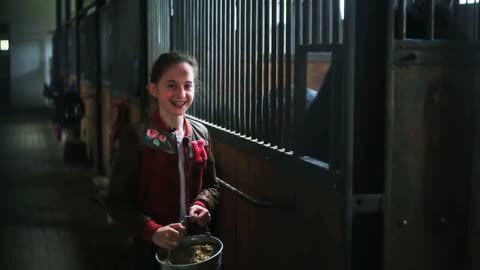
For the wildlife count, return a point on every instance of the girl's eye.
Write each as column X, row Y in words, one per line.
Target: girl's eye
column 188, row 86
column 171, row 85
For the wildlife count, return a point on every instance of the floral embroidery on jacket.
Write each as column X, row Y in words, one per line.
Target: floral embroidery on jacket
column 155, row 136
column 152, row 133
column 199, row 148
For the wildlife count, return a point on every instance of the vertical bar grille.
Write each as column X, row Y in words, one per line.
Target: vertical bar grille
column 458, row 19
column 245, row 50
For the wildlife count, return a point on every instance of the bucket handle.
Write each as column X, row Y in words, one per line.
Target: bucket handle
column 186, row 222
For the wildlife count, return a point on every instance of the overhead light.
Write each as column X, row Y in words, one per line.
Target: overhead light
column 4, row 45
column 463, row 2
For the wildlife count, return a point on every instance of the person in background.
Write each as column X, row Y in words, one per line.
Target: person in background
column 164, row 168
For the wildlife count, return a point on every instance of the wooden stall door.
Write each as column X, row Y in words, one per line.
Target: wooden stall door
column 303, row 228
column 427, row 211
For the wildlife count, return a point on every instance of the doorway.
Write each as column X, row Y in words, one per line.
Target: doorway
column 4, row 64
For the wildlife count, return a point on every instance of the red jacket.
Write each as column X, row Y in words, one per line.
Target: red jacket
column 145, row 185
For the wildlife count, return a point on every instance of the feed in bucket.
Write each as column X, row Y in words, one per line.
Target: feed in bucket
column 196, row 252
column 190, row 254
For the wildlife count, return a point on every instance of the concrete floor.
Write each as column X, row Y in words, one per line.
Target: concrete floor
column 48, row 217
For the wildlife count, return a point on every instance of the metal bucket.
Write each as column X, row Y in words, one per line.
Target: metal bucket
column 212, row 263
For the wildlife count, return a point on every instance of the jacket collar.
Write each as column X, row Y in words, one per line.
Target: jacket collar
column 158, row 122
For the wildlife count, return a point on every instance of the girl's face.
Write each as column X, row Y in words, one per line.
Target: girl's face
column 175, row 90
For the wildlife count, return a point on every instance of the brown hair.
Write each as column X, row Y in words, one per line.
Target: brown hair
column 166, row 60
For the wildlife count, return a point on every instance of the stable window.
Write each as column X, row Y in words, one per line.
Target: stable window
column 4, row 45
column 462, row 2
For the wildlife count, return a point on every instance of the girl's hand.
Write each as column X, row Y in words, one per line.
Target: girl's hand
column 200, row 215
column 168, row 236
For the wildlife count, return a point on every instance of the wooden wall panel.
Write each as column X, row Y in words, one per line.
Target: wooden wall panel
column 87, row 124
column 301, row 230
column 225, row 215
column 243, row 243
column 107, row 121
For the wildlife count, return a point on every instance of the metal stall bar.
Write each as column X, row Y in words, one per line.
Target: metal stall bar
column 431, row 20
column 266, row 74
column 175, row 31
column 254, row 67
column 173, row 26
column 215, row 76
column 225, row 62
column 199, row 55
column 178, row 24
column 245, row 68
column 232, row 76
column 204, row 55
column 298, row 22
column 213, row 58
column 248, row 67
column 337, row 22
column 196, row 54
column 186, row 26
column 260, row 72
column 242, row 89
column 208, row 68
column 196, row 51
column 221, row 62
column 190, row 12
column 330, row 21
column 273, row 75
column 306, row 23
column 182, row 36
column 288, row 75
column 228, row 63
column 213, row 83
column 201, row 59
column 194, row 10
column 151, row 16
column 327, row 21
column 316, row 21
column 281, row 76
column 297, row 27
column 236, row 101
column 350, row 18
column 98, row 97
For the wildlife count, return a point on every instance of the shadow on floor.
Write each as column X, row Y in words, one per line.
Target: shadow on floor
column 49, row 220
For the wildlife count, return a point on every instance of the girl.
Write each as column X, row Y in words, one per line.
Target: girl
column 165, row 168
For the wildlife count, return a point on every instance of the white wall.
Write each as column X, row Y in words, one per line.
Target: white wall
column 31, row 24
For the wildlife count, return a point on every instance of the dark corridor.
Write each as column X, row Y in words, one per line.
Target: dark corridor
column 49, row 218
